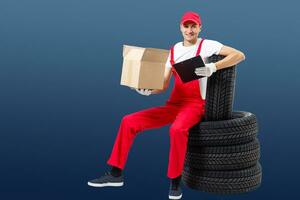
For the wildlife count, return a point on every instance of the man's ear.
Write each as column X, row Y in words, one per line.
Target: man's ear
column 180, row 26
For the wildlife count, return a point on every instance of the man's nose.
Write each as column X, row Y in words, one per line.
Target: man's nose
column 190, row 30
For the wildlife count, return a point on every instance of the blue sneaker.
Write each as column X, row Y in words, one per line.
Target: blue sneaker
column 107, row 180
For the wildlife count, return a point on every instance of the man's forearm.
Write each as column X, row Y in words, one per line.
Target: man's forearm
column 157, row 91
column 230, row 60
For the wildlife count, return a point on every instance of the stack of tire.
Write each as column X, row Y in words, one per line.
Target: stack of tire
column 223, row 151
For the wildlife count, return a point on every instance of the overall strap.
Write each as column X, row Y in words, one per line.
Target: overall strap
column 172, row 56
column 199, row 48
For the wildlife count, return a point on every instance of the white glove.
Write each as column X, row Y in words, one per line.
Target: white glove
column 145, row 92
column 207, row 71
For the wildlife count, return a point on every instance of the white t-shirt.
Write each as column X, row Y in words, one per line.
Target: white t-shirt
column 181, row 53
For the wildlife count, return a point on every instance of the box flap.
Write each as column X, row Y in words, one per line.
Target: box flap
column 132, row 52
column 155, row 55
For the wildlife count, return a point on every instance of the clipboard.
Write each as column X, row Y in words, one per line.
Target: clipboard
column 186, row 69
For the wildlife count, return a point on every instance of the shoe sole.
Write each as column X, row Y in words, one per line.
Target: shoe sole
column 175, row 197
column 106, row 184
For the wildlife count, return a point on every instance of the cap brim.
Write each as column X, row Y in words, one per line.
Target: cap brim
column 190, row 20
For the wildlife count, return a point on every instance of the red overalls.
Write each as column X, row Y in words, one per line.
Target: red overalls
column 184, row 109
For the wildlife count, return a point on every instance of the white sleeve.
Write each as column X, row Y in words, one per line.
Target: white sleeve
column 168, row 64
column 212, row 47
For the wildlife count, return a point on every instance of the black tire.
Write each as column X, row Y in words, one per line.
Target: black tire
column 223, row 157
column 223, row 182
column 242, row 128
column 220, row 92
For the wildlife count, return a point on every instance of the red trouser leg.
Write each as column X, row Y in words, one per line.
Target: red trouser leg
column 184, row 117
column 188, row 116
column 136, row 122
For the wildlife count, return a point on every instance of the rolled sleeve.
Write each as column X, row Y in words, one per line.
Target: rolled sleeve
column 213, row 47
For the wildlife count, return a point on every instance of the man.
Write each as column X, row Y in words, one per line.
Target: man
column 184, row 108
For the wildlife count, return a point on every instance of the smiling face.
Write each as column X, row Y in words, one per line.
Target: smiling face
column 190, row 31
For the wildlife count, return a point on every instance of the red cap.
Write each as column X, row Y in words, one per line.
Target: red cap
column 191, row 16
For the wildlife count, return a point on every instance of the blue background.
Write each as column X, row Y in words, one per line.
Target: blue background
column 61, row 101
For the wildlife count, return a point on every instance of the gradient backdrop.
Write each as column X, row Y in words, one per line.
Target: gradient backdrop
column 61, row 101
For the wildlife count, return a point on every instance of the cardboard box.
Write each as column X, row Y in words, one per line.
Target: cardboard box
column 143, row 67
